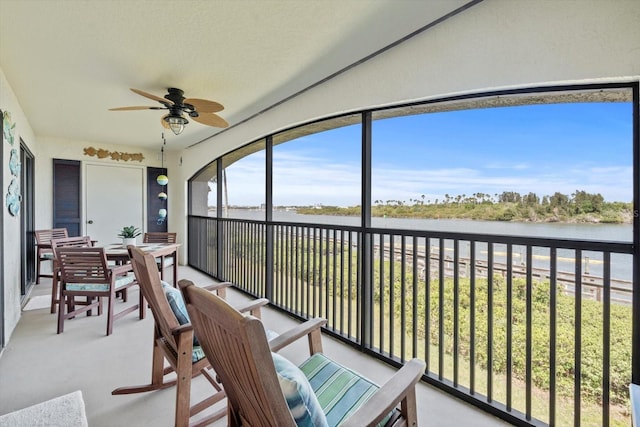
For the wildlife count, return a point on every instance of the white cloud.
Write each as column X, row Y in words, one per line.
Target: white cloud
column 307, row 179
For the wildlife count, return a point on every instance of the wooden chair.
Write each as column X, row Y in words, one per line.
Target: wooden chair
column 174, row 342
column 237, row 347
column 43, row 251
column 69, row 242
column 161, row 237
column 84, row 272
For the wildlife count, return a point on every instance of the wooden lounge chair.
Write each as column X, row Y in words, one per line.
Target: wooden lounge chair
column 43, row 251
column 174, row 342
column 237, row 347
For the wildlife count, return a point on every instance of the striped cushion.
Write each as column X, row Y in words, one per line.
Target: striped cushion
column 301, row 400
column 339, row 390
column 101, row 287
column 197, row 353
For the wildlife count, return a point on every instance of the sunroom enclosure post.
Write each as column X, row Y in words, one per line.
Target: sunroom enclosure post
column 220, row 271
column 635, row 352
column 366, row 254
column 269, row 269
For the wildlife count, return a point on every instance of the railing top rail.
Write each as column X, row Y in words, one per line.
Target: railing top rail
column 548, row 242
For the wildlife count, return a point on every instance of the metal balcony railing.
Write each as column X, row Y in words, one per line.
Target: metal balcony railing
column 535, row 330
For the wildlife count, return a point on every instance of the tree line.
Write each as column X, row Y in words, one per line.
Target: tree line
column 579, row 206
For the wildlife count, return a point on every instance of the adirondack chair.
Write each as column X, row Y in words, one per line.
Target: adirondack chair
column 320, row 390
column 174, row 342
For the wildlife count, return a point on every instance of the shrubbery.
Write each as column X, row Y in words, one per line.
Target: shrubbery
column 592, row 334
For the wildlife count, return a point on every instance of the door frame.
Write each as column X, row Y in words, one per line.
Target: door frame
column 2, row 252
column 27, row 221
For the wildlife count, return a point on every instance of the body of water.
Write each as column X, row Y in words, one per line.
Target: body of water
column 597, row 232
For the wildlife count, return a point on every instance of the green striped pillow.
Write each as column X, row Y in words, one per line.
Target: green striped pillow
column 339, row 390
column 299, row 395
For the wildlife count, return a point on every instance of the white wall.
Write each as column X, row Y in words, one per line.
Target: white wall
column 55, row 148
column 11, row 224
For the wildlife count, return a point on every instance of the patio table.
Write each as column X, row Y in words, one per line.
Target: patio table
column 118, row 253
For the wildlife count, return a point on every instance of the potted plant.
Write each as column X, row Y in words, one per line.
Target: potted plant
column 129, row 235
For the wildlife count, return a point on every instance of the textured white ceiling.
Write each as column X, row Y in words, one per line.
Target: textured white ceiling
column 69, row 61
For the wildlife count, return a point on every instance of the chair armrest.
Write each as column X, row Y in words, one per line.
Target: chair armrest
column 219, row 288
column 253, row 307
column 216, row 286
column 181, row 329
column 310, row 328
column 402, row 385
column 120, row 269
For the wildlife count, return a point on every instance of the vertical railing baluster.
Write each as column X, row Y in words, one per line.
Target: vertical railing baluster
column 509, row 324
column 341, row 317
column 414, row 306
column 490, row 248
column 472, row 317
column 529, row 321
column 456, row 310
column 321, row 312
column 327, row 274
column 315, row 282
column 391, row 283
column 441, row 268
column 381, row 292
column 427, row 305
column 577, row 351
column 606, row 338
column 403, row 298
column 334, row 276
column 553, row 301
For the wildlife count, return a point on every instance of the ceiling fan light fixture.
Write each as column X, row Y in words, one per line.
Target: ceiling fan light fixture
column 176, row 123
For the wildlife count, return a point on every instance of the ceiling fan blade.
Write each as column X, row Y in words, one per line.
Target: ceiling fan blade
column 164, row 124
column 134, row 108
column 150, row 96
column 211, row 120
column 204, row 105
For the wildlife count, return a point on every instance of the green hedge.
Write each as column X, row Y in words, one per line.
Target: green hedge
column 592, row 334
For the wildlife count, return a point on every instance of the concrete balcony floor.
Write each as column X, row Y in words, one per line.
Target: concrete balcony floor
column 38, row 365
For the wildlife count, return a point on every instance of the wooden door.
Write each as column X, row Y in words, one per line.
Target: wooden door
column 115, row 197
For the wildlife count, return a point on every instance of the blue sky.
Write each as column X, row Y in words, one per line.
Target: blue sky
column 536, row 148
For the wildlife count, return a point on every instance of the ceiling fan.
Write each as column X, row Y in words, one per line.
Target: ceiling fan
column 201, row 110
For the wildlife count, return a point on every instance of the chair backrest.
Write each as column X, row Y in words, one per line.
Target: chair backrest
column 83, row 265
column 74, row 242
column 237, row 348
column 159, row 237
column 45, row 236
column 146, row 271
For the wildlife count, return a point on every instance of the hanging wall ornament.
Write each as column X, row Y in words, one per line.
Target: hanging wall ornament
column 162, row 196
column 162, row 180
column 8, row 128
column 13, row 197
